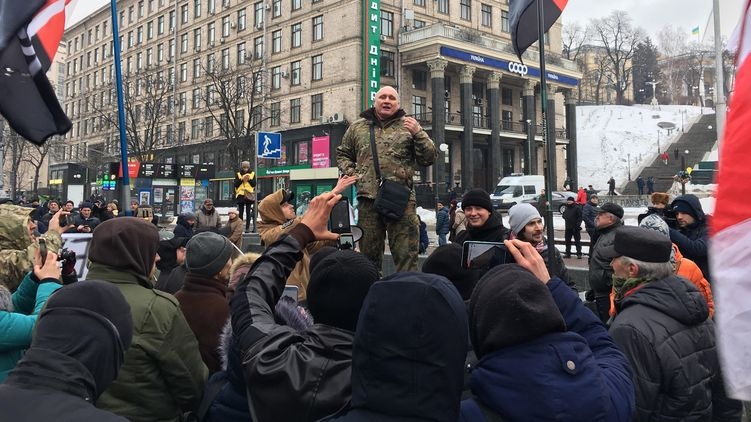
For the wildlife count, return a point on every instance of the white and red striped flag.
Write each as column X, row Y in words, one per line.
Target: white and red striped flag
column 730, row 247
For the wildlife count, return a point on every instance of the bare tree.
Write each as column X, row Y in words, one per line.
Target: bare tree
column 573, row 37
column 14, row 149
column 36, row 156
column 234, row 97
column 671, row 43
column 696, row 60
column 619, row 39
column 148, row 103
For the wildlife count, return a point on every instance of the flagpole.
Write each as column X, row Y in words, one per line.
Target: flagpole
column 125, row 188
column 552, row 265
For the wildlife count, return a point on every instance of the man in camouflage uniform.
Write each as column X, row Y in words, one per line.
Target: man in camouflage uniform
column 402, row 146
column 18, row 242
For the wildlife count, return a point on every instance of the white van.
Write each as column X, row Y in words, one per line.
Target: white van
column 515, row 188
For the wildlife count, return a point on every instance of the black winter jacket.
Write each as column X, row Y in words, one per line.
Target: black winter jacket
column 693, row 241
column 303, row 375
column 664, row 330
column 572, row 215
column 600, row 272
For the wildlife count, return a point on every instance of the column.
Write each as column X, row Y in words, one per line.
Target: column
column 572, row 164
column 494, row 114
column 528, row 113
column 465, row 88
column 437, row 68
column 551, row 151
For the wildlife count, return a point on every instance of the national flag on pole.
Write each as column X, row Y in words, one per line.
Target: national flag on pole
column 730, row 247
column 29, row 37
column 523, row 16
column 695, row 31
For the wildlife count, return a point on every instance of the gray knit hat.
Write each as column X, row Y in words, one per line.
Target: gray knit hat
column 655, row 222
column 521, row 214
column 207, row 253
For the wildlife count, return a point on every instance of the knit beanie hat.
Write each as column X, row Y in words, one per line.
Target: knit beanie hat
column 317, row 257
column 510, row 306
column 446, row 260
column 654, row 222
column 126, row 244
column 477, row 198
column 521, row 214
column 337, row 288
column 207, row 253
column 684, row 207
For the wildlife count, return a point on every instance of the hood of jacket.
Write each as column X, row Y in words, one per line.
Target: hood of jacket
column 673, row 296
column 14, row 230
column 693, row 202
column 410, row 347
column 270, row 209
column 128, row 244
column 510, row 380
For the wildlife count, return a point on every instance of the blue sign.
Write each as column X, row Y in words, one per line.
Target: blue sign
column 513, row 67
column 269, row 145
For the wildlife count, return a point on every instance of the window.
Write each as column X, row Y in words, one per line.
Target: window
column 210, row 95
column 184, row 14
column 277, row 8
column 387, row 23
column 316, row 106
column 160, row 52
column 296, row 34
column 417, row 23
column 197, row 9
column 197, row 39
column 183, row 72
column 294, row 110
column 317, row 67
column 172, row 21
column 160, row 25
column 240, row 86
column 504, row 21
column 258, row 47
column 225, row 26
column 180, row 131
column 172, row 48
column 197, row 67
column 296, row 5
column 296, row 73
column 276, row 41
column 507, row 119
column 183, row 100
column 130, row 14
column 258, row 15
column 487, row 15
column 443, row 6
column 130, row 39
column 195, row 128
column 211, row 6
column 507, row 96
column 387, row 63
column 140, row 9
column 465, row 9
column 223, row 123
column 241, row 53
column 318, row 28
column 242, row 20
column 225, row 58
column 149, row 30
column 420, row 79
column 208, row 126
column 276, row 114
column 149, row 57
column 419, row 107
column 211, row 29
column 276, row 77
column 184, row 43
column 210, row 62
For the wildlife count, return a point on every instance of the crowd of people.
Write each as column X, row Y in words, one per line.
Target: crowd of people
column 186, row 327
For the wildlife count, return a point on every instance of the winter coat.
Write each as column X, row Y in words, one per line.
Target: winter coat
column 172, row 281
column 640, row 182
column 581, row 196
column 588, row 216
column 242, row 186
column 205, row 304
column 16, row 326
column 442, row 221
column 693, row 240
column 663, row 329
column 17, row 248
column 206, row 219
column 459, row 224
column 272, row 226
column 424, row 240
column 182, row 228
column 80, row 220
column 572, row 215
column 600, row 272
column 305, row 374
column 491, row 231
column 400, row 153
column 580, row 374
column 235, row 228
column 163, row 374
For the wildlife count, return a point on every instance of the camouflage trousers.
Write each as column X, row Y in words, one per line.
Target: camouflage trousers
column 404, row 236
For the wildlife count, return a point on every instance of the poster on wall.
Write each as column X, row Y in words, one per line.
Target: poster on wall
column 186, row 206
column 187, row 193
column 144, row 197
column 321, row 152
column 158, row 195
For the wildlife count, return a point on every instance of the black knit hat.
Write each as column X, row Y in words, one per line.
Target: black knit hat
column 477, row 198
column 510, row 306
column 207, row 253
column 338, row 285
column 446, row 260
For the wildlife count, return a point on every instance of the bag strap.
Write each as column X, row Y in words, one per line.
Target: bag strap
column 210, row 393
column 375, row 152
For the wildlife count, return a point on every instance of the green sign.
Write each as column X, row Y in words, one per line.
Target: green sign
column 371, row 51
column 277, row 171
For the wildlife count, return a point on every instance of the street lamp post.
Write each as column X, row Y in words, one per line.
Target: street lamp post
column 658, row 142
column 530, row 141
column 682, row 170
column 629, row 166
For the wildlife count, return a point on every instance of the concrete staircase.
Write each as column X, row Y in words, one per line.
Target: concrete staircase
column 698, row 140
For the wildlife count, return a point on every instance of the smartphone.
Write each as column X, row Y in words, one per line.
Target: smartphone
column 66, row 220
column 346, row 241
column 291, row 292
column 42, row 250
column 484, row 255
column 339, row 217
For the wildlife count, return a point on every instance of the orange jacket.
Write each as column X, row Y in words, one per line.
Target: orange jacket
column 687, row 269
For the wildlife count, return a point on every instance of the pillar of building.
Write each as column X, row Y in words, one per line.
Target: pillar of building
column 572, row 162
column 551, row 155
column 529, row 114
column 465, row 89
column 494, row 117
column 437, row 68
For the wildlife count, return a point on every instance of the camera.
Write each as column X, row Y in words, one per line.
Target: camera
column 670, row 219
column 67, row 255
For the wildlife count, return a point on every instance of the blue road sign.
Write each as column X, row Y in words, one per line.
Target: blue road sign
column 269, row 145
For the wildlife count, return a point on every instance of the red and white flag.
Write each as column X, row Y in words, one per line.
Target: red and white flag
column 730, row 247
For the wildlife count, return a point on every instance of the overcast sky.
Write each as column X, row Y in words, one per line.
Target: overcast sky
column 651, row 15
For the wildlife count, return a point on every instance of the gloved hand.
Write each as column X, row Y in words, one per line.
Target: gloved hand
column 69, row 263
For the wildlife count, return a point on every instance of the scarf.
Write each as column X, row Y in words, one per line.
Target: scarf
column 621, row 285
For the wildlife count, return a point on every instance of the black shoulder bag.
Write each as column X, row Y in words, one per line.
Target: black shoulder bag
column 392, row 198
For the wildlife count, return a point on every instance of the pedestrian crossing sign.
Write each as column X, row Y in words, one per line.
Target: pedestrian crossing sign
column 269, row 145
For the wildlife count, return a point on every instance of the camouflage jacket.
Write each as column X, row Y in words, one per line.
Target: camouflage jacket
column 17, row 247
column 399, row 153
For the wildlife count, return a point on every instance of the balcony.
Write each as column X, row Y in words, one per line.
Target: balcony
column 480, row 122
column 477, row 38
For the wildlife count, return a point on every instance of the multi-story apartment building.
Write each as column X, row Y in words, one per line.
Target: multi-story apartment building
column 306, row 69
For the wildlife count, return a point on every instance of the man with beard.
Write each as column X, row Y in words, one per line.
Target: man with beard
column 482, row 223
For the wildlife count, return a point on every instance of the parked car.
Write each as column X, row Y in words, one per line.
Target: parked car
column 559, row 200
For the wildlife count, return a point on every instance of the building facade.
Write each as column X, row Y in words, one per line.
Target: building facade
column 306, row 69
